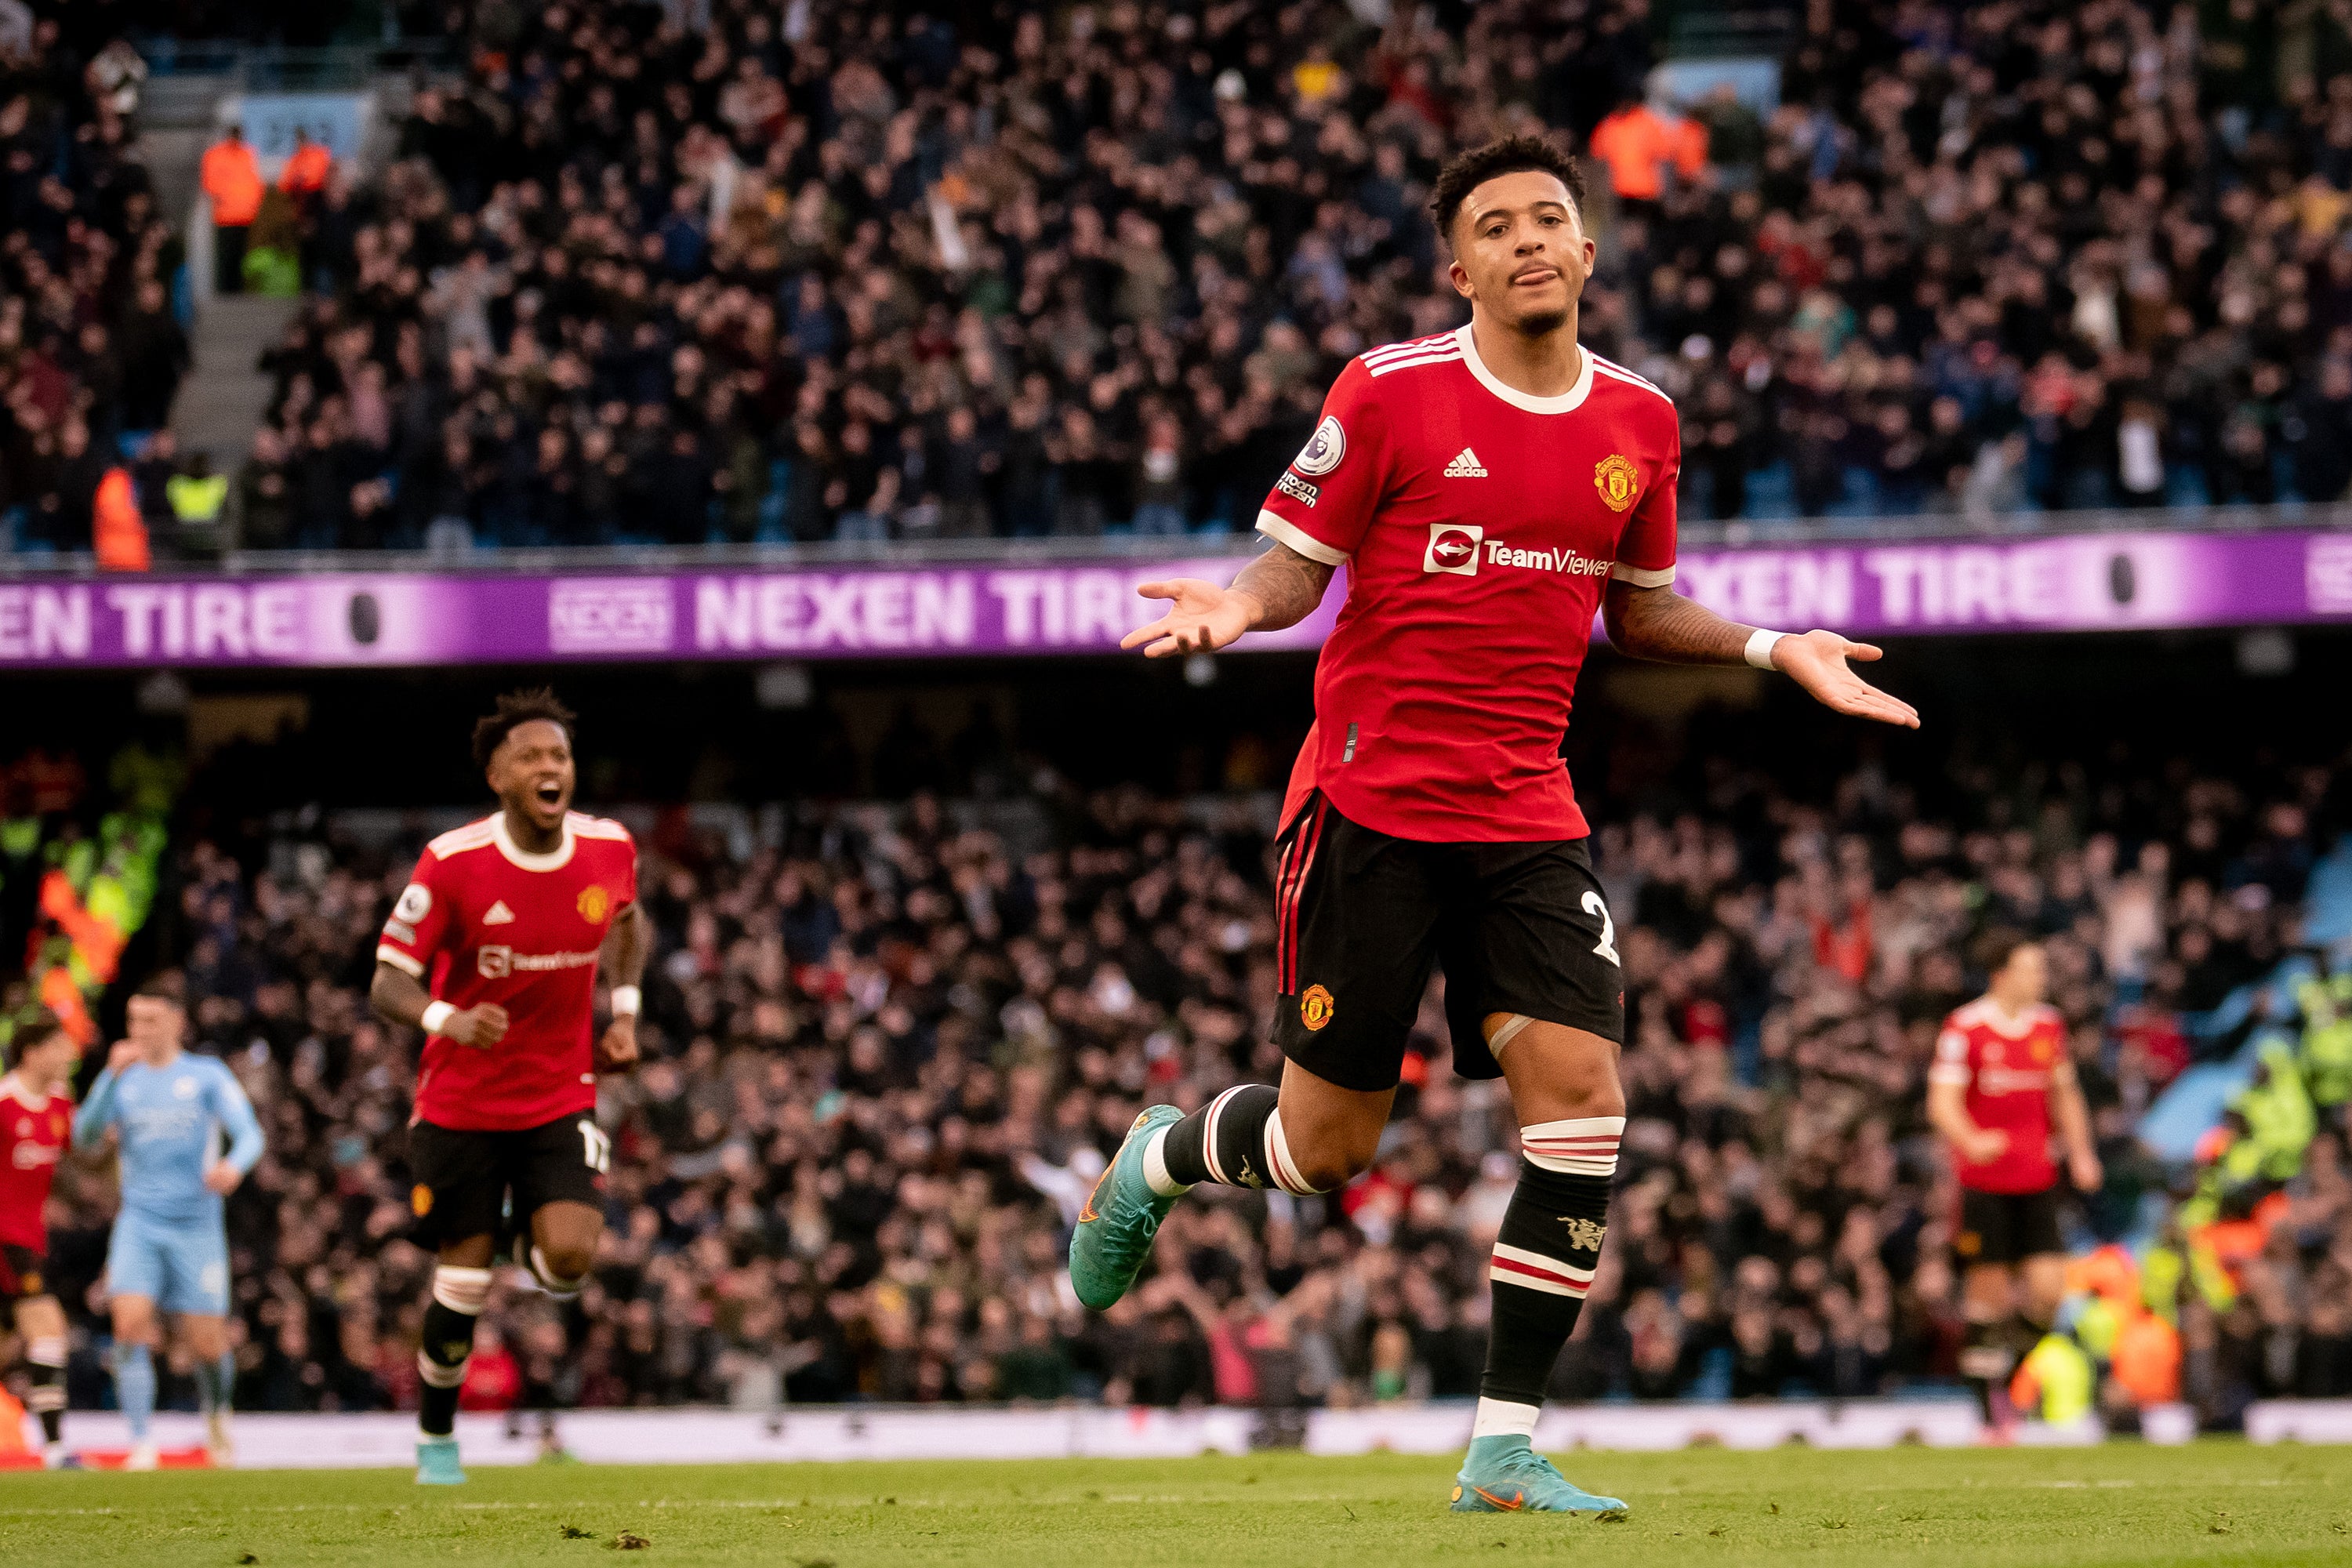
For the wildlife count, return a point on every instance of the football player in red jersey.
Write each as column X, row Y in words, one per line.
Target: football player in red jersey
column 2002, row 1079
column 1489, row 489
column 36, row 1130
column 493, row 951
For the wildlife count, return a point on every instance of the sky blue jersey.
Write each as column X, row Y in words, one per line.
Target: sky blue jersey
column 171, row 1120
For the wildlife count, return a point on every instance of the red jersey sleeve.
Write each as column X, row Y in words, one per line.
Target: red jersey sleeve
column 1325, row 499
column 420, row 920
column 1645, row 550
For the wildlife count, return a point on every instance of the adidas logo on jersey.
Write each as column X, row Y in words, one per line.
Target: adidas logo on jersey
column 500, row 915
column 1466, row 466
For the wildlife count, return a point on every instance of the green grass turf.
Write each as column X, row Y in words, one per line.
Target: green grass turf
column 2216, row 1502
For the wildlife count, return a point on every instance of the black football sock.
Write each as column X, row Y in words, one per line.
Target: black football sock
column 1544, row 1257
column 1986, row 1358
column 47, row 1397
column 445, row 1345
column 1224, row 1140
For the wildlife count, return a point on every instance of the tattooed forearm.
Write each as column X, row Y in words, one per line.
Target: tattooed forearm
column 1285, row 585
column 1660, row 624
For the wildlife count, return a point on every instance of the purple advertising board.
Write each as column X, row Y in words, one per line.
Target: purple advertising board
column 1890, row 588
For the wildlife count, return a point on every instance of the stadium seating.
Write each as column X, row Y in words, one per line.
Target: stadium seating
column 799, row 280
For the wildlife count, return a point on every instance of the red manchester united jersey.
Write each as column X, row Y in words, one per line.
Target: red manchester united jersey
column 483, row 921
column 35, row 1131
column 1478, row 525
column 2005, row 1064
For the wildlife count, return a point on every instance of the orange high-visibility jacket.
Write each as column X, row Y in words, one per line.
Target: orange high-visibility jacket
column 232, row 177
column 118, row 532
column 306, row 170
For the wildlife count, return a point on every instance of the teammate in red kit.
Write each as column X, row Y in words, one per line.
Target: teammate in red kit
column 36, row 1130
column 493, row 951
column 1489, row 489
column 2002, row 1080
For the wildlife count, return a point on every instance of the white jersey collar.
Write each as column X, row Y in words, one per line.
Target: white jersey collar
column 554, row 860
column 1565, row 402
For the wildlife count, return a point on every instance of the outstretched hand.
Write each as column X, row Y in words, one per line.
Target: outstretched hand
column 1818, row 662
column 1201, row 618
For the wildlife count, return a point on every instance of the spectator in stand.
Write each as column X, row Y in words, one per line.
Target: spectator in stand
column 88, row 352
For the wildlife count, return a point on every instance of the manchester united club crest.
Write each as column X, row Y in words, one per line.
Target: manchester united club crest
column 1617, row 480
column 595, row 903
column 1315, row 1007
column 1584, row 1235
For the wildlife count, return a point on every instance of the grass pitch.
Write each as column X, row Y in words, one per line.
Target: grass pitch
column 2216, row 1502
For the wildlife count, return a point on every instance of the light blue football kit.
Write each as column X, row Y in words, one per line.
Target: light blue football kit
column 169, row 1243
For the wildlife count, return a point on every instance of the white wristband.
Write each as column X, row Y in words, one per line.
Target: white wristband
column 627, row 1000
column 1759, row 647
column 437, row 1016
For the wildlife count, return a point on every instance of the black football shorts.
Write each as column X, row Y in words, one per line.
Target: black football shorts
column 464, row 1178
column 2007, row 1227
column 23, row 1273
column 1360, row 916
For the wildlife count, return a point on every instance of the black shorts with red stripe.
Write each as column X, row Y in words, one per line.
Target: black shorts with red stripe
column 1360, row 919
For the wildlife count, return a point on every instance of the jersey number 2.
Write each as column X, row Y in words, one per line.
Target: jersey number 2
column 596, row 1147
column 1607, row 946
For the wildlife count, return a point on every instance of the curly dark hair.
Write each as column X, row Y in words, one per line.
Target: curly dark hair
column 519, row 707
column 1506, row 155
column 1997, row 946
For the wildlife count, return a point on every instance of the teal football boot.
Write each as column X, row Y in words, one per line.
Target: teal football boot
column 436, row 1463
column 1121, row 1217
column 1503, row 1475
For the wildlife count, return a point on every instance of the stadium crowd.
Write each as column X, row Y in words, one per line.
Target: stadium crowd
column 900, row 273
column 889, row 1053
column 91, row 349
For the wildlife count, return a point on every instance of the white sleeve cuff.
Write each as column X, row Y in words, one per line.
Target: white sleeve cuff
column 1643, row 576
column 1286, row 532
column 387, row 954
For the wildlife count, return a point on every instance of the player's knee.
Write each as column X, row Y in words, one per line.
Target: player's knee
column 1597, row 1098
column 1330, row 1163
column 562, row 1266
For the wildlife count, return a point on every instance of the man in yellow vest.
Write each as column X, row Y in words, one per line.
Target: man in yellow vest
column 2055, row 1381
column 197, row 498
